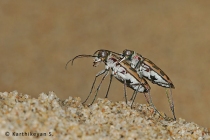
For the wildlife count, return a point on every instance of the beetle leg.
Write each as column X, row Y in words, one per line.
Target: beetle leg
column 149, row 99
column 105, row 74
column 125, row 91
column 111, row 76
column 134, row 97
column 171, row 103
column 138, row 67
column 100, row 73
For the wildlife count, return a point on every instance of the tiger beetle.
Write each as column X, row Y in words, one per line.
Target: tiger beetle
column 122, row 71
column 147, row 69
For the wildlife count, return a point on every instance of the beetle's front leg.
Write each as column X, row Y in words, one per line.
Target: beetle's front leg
column 105, row 74
column 97, row 75
column 139, row 68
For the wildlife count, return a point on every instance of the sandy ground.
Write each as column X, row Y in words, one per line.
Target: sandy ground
column 48, row 117
column 37, row 38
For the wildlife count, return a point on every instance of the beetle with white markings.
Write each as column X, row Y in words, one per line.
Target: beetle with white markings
column 122, row 71
column 147, row 69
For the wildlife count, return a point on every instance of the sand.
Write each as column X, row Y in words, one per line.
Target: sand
column 48, row 117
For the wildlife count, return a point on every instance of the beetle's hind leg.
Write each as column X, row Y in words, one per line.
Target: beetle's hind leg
column 149, row 100
column 171, row 103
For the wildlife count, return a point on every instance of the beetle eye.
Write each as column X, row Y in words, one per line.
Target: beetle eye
column 102, row 54
column 128, row 52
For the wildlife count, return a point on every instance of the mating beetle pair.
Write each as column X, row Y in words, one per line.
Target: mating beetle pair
column 131, row 69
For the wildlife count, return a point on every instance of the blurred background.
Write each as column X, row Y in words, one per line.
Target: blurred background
column 37, row 38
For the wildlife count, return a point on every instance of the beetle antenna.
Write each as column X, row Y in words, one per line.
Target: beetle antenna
column 78, row 56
